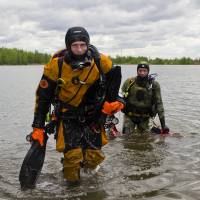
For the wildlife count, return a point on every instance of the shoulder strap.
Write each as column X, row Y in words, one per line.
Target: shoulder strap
column 102, row 75
column 101, row 94
column 131, row 83
column 97, row 59
column 60, row 64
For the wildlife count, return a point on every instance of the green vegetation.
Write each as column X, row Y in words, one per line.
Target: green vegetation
column 158, row 61
column 21, row 57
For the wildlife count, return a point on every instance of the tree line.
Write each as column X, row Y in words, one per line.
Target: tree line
column 20, row 57
column 157, row 61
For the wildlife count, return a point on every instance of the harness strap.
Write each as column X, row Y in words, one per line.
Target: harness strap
column 141, row 111
column 131, row 110
column 131, row 83
column 102, row 91
column 60, row 64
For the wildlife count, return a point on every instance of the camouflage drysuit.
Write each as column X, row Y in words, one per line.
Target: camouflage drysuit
column 143, row 101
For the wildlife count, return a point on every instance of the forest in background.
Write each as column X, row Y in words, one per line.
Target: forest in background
column 156, row 61
column 20, row 57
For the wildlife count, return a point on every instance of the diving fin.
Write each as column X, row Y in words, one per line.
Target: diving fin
column 32, row 165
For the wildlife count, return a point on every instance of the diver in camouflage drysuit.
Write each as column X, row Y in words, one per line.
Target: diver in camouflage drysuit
column 143, row 101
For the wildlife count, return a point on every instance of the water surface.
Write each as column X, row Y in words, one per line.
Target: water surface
column 140, row 167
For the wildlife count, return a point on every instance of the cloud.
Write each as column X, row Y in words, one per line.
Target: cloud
column 148, row 28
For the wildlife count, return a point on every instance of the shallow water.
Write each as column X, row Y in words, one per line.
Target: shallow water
column 139, row 167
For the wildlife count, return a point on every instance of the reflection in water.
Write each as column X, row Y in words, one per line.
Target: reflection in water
column 141, row 151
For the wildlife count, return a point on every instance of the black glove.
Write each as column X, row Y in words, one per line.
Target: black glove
column 165, row 129
column 51, row 127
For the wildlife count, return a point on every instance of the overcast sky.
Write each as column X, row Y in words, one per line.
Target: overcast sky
column 153, row 28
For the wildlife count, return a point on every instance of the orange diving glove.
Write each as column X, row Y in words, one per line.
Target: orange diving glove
column 112, row 108
column 38, row 134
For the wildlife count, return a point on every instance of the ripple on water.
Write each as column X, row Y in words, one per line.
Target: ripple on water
column 135, row 168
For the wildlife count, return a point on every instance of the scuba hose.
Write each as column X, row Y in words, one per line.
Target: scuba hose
column 102, row 79
column 151, row 79
column 101, row 93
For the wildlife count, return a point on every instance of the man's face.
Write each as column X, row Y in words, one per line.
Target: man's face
column 142, row 72
column 79, row 48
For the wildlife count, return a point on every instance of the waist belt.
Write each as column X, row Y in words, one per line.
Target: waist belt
column 72, row 116
column 138, row 120
column 81, row 114
column 67, row 106
column 132, row 114
column 138, row 111
column 82, row 109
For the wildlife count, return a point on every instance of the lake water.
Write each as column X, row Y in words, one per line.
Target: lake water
column 142, row 167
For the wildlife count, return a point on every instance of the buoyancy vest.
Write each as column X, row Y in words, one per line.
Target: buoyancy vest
column 139, row 99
